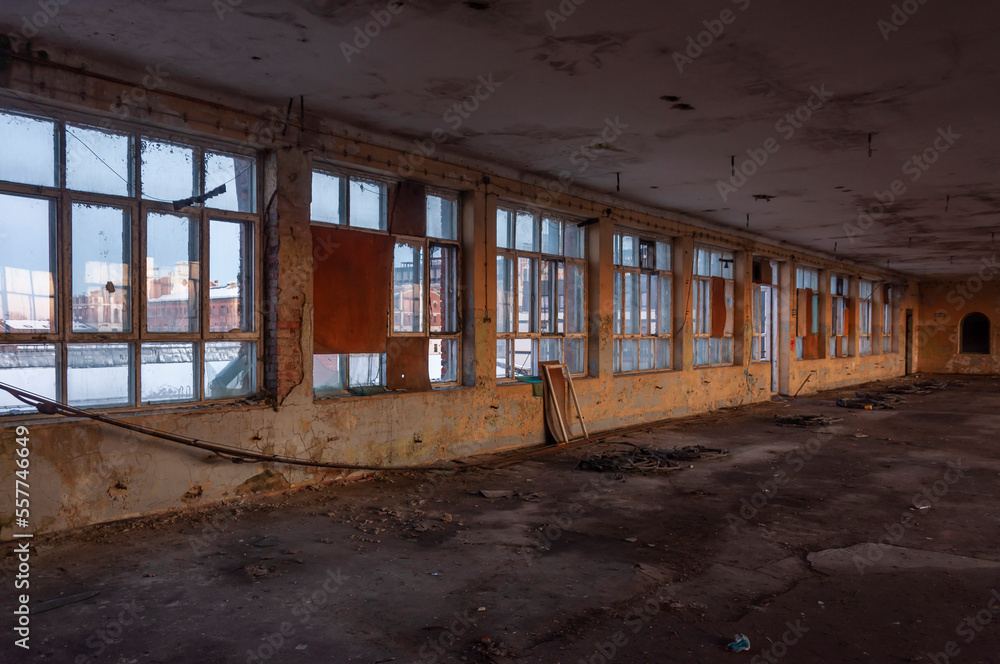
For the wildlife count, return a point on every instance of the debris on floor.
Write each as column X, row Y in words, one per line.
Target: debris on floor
column 636, row 459
column 739, row 644
column 805, row 420
column 925, row 386
column 880, row 397
column 864, row 403
column 696, row 453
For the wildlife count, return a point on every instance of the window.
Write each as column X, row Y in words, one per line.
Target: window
column 765, row 282
column 714, row 300
column 424, row 283
column 78, row 335
column 888, row 327
column 643, row 319
column 355, row 200
column 839, row 311
column 865, row 317
column 807, row 313
column 540, row 293
column 975, row 334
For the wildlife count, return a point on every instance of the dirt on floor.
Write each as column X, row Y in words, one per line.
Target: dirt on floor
column 872, row 538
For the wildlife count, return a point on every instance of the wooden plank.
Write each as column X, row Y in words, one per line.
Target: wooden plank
column 406, row 364
column 718, row 294
column 803, row 306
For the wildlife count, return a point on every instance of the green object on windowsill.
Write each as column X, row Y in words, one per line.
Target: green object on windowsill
column 535, row 382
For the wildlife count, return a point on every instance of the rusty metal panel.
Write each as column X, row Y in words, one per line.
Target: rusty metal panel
column 351, row 287
column 406, row 365
column 803, row 308
column 718, row 307
column 408, row 210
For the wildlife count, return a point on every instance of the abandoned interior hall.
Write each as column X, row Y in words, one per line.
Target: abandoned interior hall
column 502, row 331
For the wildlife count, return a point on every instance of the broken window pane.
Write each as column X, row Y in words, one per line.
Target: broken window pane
column 525, row 357
column 527, row 297
column 366, row 370
column 574, row 241
column 408, row 288
column 367, row 204
column 327, row 204
column 102, row 255
column 29, row 150
column 98, row 161
column 99, row 375
column 329, row 374
column 30, row 367
column 527, row 232
column 239, row 174
column 552, row 237
column 444, row 289
column 442, row 218
column 27, row 264
column 505, row 295
column 230, row 293
column 172, row 273
column 442, row 361
column 230, row 369
column 167, row 171
column 574, row 355
column 168, row 373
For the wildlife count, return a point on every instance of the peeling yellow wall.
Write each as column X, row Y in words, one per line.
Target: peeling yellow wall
column 943, row 306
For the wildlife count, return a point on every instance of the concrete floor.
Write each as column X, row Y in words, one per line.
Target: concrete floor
column 779, row 541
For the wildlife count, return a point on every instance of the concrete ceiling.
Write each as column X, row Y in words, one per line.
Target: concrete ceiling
column 561, row 81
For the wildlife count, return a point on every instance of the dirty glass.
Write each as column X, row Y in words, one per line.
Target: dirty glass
column 172, row 273
column 239, row 174
column 229, row 273
column 367, row 202
column 442, row 218
column 99, row 375
column 102, row 257
column 29, row 150
column 408, row 288
column 327, row 206
column 167, row 171
column 27, row 264
column 230, row 369
column 168, row 372
column 98, row 161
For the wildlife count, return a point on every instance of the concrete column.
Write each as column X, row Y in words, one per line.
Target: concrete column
column 683, row 303
column 479, row 296
column 877, row 300
column 742, row 307
column 600, row 297
column 786, row 325
column 854, row 303
column 825, row 312
column 288, row 278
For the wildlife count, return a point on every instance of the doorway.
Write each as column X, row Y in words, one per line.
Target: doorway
column 769, row 338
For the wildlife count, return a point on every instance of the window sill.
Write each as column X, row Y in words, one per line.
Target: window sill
column 346, row 396
column 642, row 372
column 250, row 403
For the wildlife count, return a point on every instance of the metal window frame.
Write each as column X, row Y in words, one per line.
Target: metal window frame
column 695, row 277
column 622, row 269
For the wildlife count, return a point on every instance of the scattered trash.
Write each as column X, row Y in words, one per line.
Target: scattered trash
column 482, row 608
column 925, row 386
column 860, row 435
column 270, row 540
column 739, row 644
column 447, row 518
column 805, row 420
column 696, row 453
column 255, row 571
column 496, row 493
column 48, row 605
column 920, row 506
column 863, row 403
column 638, row 459
column 632, row 539
column 301, row 646
column 419, row 526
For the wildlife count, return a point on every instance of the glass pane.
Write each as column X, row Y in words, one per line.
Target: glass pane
column 168, row 373
column 231, row 291
column 654, row 304
column 167, row 171
column 329, row 374
column 631, row 303
column 575, row 306
column 619, row 303
column 574, row 356
column 367, row 204
column 98, row 161
column 701, row 351
column 442, row 218
column 230, row 369
column 726, row 352
column 552, row 237
column 527, row 297
column 630, row 251
column 703, row 263
column 618, row 249
column 663, row 256
column 726, row 263
column 716, row 264
column 99, row 375
column 731, row 304
column 326, row 203
column 102, row 254
column 618, row 356
column 505, row 295
column 663, row 354
column 666, row 312
column 408, row 288
column 574, row 241
column 365, row 370
column 503, row 362
column 714, row 351
column 525, row 357
column 630, row 355
column 29, row 150
column 30, row 367
column 550, row 350
column 647, row 359
column 444, row 289
column 553, row 301
column 526, row 238
column 644, row 304
column 647, row 255
column 28, row 264
column 505, row 229
column 172, row 273
column 239, row 174
column 442, row 361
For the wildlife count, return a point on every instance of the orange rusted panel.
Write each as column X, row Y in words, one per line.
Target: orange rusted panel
column 406, row 364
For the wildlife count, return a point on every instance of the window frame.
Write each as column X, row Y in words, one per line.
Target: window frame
column 664, row 324
column 888, row 320
column 840, row 306
column 138, row 208
column 865, row 313
column 701, row 311
column 804, row 277
column 515, row 255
